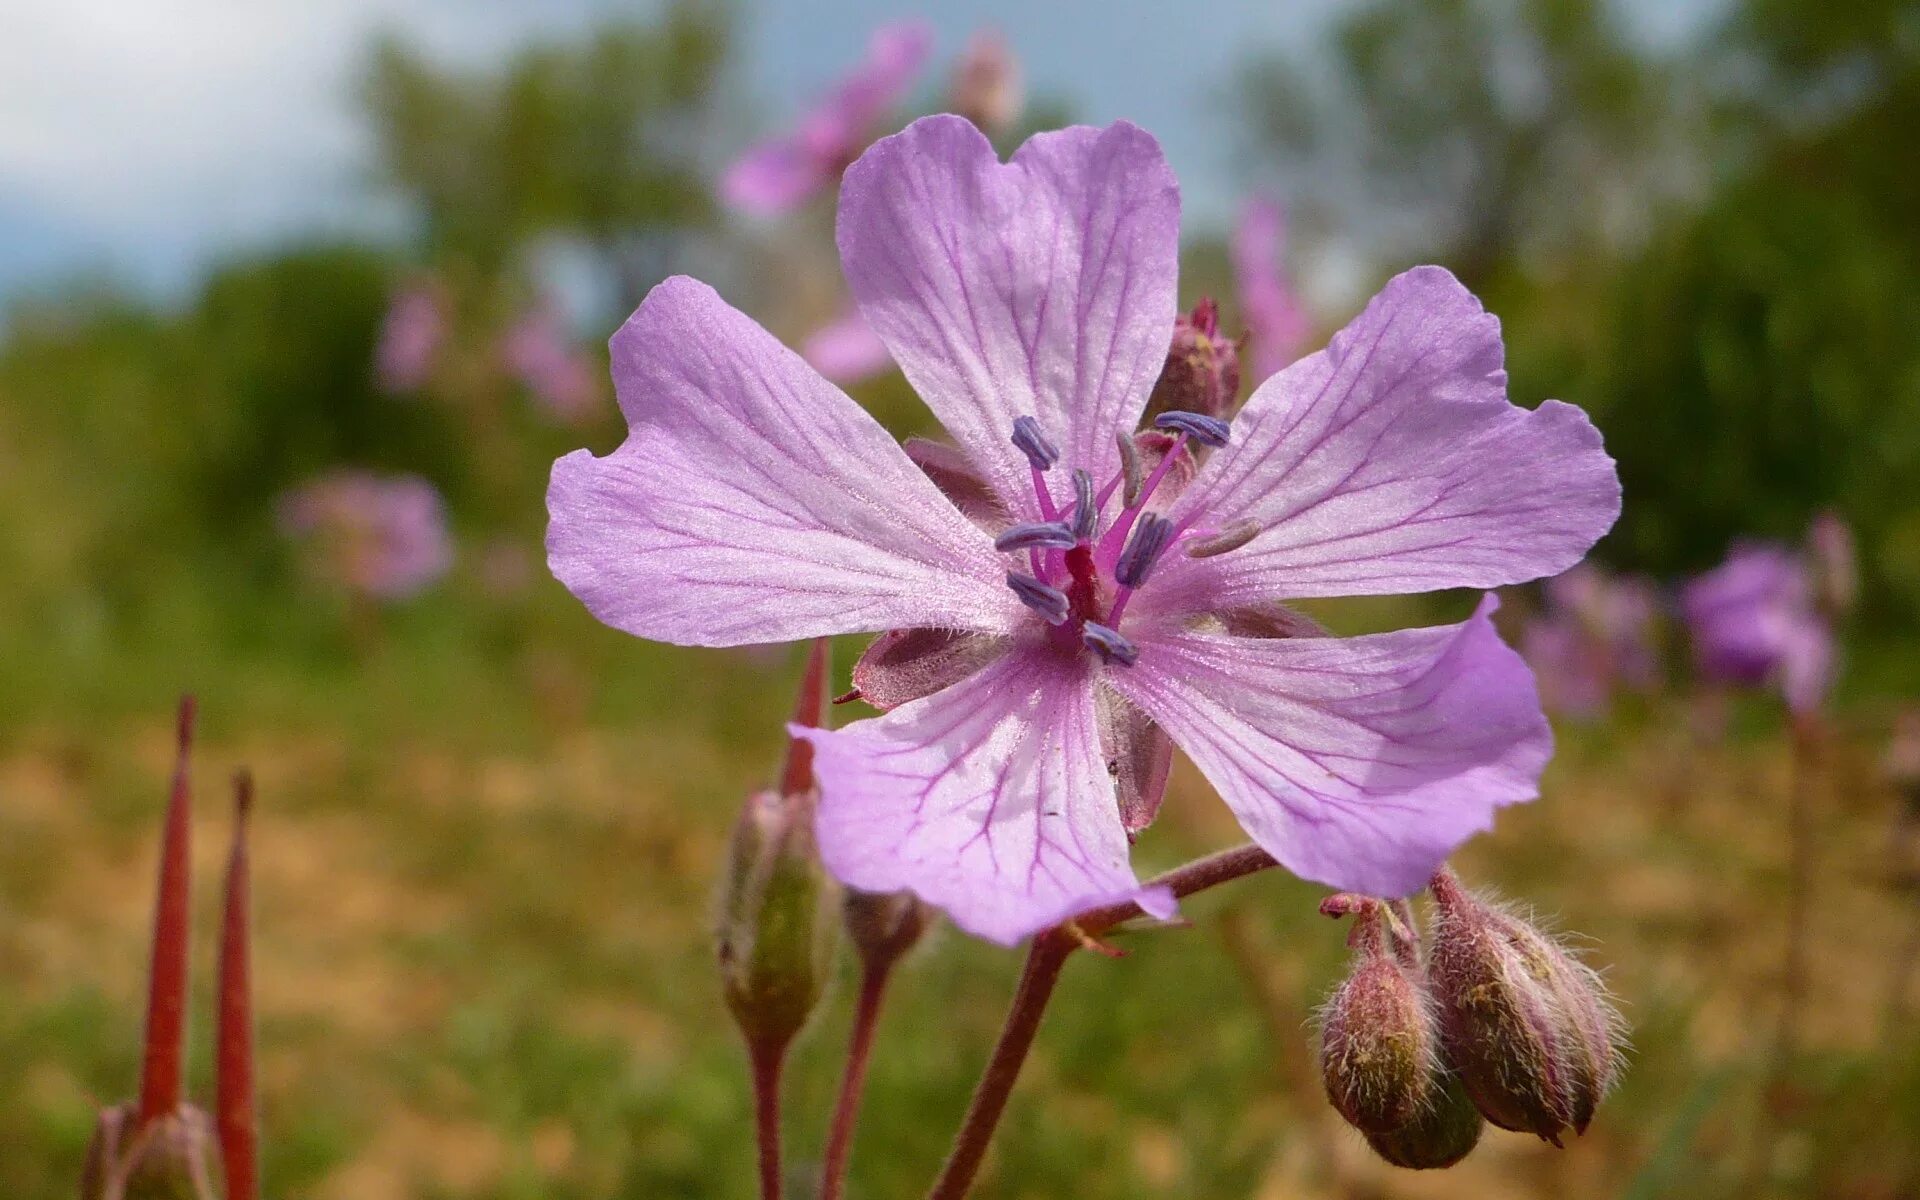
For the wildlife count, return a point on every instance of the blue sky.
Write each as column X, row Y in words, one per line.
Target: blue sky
column 143, row 140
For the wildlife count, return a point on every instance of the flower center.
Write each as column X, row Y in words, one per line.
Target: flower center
column 1079, row 578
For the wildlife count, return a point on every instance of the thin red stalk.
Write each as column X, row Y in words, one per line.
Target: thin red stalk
column 1044, row 961
column 767, row 1062
column 165, row 1051
column 846, row 1109
column 796, row 779
column 235, row 1108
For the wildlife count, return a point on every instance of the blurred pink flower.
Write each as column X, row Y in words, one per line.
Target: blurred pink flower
column 1277, row 322
column 410, row 338
column 846, row 349
column 1039, row 663
column 384, row 536
column 550, row 365
column 1594, row 637
column 987, row 88
column 783, row 172
column 1754, row 623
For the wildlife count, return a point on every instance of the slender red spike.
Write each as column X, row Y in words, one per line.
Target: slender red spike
column 166, row 1045
column 235, row 1114
column 809, row 709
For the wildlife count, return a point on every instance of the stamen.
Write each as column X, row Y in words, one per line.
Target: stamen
column 1130, row 470
column 1208, row 431
column 1232, row 537
column 1086, row 511
column 1040, row 452
column 1035, row 535
column 1150, row 537
column 1110, row 646
column 1049, row 602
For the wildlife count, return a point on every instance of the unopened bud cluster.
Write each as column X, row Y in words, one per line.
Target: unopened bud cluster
column 1498, row 1022
column 1202, row 373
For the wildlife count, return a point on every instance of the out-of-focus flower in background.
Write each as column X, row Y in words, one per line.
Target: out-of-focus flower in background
column 1755, row 622
column 1277, row 322
column 783, row 172
column 846, row 349
column 410, row 337
column 550, row 365
column 987, row 86
column 381, row 536
column 1593, row 637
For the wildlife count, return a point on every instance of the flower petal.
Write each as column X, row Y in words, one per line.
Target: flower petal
column 990, row 799
column 1391, row 462
column 1360, row 763
column 753, row 501
column 1042, row 287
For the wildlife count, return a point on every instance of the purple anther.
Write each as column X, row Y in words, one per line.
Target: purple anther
column 1049, row 602
column 1232, row 537
column 1036, row 535
column 1109, row 645
column 1086, row 511
column 1150, row 537
column 1208, row 431
column 1034, row 444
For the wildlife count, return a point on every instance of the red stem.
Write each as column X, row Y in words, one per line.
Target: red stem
column 235, row 1107
column 767, row 1062
column 846, row 1110
column 796, row 779
column 165, row 1050
column 1044, row 962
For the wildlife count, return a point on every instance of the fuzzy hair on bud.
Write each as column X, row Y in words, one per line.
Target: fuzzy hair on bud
column 1378, row 1047
column 1527, row 1025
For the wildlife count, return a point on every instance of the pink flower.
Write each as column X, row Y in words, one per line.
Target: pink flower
column 1277, row 323
column 545, row 361
column 410, row 338
column 1594, row 636
column 783, row 172
column 1755, row 623
column 383, row 536
column 846, row 349
column 1088, row 597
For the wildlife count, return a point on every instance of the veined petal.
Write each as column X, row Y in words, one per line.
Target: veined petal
column 1041, row 287
column 1392, row 462
column 753, row 501
column 990, row 799
column 1362, row 762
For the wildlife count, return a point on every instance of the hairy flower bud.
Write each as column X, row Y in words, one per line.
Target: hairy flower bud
column 1378, row 1045
column 1202, row 374
column 1526, row 1025
column 884, row 925
column 1444, row 1131
column 167, row 1159
column 776, row 933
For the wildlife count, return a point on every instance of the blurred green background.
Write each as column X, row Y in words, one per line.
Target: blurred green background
column 490, row 826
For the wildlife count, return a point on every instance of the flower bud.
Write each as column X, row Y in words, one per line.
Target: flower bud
column 1202, row 373
column 776, row 934
column 1526, row 1025
column 165, row 1160
column 1445, row 1129
column 884, row 925
column 1378, row 1046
